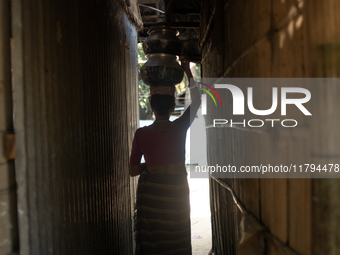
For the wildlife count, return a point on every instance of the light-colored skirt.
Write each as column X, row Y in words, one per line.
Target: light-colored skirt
column 162, row 215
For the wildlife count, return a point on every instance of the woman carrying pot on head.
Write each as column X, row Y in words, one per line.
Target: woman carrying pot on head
column 162, row 217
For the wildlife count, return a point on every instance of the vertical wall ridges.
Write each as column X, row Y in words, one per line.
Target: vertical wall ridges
column 302, row 213
column 75, row 116
column 8, row 214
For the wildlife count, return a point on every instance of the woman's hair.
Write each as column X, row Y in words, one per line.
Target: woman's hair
column 162, row 104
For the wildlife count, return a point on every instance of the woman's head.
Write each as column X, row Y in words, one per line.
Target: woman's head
column 162, row 104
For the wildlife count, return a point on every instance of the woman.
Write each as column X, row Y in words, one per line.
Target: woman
column 162, row 218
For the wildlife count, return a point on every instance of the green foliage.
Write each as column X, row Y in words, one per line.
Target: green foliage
column 144, row 90
column 141, row 54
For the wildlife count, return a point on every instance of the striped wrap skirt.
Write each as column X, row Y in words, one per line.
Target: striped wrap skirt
column 162, row 215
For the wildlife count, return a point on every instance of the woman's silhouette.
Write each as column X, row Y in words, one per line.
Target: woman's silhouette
column 162, row 217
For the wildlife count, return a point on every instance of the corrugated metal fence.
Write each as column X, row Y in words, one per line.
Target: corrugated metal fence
column 275, row 39
column 75, row 77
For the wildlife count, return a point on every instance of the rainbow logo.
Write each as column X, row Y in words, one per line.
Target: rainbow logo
column 209, row 93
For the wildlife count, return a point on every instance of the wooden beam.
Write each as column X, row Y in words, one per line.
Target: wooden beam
column 148, row 17
column 187, row 12
column 148, row 2
column 188, row 25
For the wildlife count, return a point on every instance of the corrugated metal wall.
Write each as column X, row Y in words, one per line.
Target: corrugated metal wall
column 254, row 39
column 75, row 77
column 8, row 211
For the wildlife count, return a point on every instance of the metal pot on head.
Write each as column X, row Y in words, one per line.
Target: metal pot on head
column 161, row 69
column 163, row 39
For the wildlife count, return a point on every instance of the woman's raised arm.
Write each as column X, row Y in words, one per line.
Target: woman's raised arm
column 194, row 92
